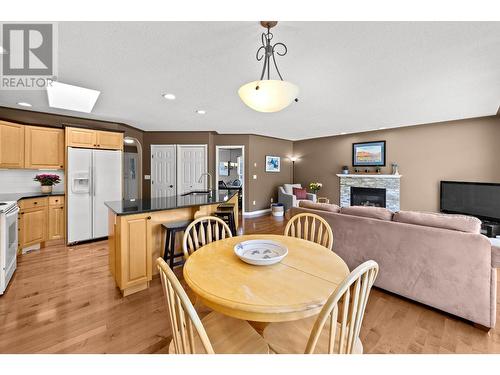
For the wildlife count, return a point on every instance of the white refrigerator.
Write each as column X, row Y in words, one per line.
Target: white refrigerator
column 94, row 177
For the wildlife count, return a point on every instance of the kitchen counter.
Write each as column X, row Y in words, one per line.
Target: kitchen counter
column 139, row 206
column 136, row 237
column 18, row 196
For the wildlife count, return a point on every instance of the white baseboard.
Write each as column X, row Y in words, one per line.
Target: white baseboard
column 257, row 213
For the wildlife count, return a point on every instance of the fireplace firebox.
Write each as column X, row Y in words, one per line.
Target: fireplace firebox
column 361, row 196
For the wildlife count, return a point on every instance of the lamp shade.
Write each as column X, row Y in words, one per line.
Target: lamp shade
column 272, row 95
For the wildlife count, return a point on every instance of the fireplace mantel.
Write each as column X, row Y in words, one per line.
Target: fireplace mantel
column 370, row 175
column 390, row 182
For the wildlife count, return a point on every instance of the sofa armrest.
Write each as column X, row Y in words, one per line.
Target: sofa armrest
column 311, row 197
column 288, row 200
column 495, row 257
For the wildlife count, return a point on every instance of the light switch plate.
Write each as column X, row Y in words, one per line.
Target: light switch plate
column 254, row 203
column 147, row 177
column 254, row 176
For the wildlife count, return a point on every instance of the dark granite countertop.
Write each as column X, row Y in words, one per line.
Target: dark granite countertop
column 138, row 206
column 17, row 196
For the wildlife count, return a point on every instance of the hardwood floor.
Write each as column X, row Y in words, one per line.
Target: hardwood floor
column 63, row 300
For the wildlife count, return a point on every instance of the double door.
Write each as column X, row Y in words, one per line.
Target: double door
column 177, row 169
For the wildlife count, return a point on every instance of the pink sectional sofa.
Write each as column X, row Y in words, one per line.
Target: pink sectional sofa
column 439, row 260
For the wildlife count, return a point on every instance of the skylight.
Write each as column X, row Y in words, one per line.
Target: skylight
column 73, row 98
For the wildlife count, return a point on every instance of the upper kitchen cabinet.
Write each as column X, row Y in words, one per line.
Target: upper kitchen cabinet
column 110, row 140
column 44, row 148
column 88, row 138
column 77, row 137
column 11, row 145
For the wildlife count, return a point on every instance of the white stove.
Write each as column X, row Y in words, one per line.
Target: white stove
column 8, row 242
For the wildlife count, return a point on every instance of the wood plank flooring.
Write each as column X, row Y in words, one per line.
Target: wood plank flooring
column 63, row 300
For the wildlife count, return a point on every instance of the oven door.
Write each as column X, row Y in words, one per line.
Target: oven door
column 11, row 239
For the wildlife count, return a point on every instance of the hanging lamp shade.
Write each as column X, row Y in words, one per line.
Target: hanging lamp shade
column 268, row 95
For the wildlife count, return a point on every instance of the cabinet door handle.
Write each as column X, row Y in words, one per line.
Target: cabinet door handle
column 149, row 217
column 35, row 202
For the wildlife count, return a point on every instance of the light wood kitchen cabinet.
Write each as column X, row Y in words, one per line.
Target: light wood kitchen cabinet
column 76, row 137
column 109, row 140
column 32, row 221
column 89, row 138
column 130, row 254
column 44, row 148
column 56, row 222
column 11, row 145
column 41, row 219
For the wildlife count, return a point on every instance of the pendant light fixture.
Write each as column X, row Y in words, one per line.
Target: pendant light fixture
column 266, row 94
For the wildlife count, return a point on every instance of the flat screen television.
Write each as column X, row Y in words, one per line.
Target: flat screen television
column 478, row 199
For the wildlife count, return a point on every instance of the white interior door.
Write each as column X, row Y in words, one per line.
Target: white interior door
column 163, row 176
column 107, row 186
column 191, row 164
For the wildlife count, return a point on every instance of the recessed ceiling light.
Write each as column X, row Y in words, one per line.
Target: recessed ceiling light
column 168, row 96
column 24, row 104
column 128, row 141
column 74, row 98
column 343, row 133
column 201, row 111
column 382, row 128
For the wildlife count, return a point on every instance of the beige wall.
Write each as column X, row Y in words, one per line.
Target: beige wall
column 466, row 150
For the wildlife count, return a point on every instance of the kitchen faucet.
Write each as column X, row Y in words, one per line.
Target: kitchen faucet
column 209, row 176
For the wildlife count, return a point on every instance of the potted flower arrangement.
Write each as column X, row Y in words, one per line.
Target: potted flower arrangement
column 315, row 187
column 47, row 181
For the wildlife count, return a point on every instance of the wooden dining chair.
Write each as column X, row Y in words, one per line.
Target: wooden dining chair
column 310, row 227
column 336, row 328
column 202, row 231
column 215, row 333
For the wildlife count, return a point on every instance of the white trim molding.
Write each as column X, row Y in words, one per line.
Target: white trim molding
column 257, row 213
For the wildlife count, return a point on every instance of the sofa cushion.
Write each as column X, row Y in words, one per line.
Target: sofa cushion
column 319, row 206
column 289, row 187
column 300, row 193
column 460, row 223
column 379, row 213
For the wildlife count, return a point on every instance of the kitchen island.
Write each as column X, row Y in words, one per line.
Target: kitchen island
column 136, row 237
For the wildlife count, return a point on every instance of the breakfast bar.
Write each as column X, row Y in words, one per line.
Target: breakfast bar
column 136, row 237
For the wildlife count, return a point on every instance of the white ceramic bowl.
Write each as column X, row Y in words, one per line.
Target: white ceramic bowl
column 260, row 252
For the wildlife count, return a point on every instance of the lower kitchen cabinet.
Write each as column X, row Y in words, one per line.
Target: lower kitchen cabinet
column 130, row 251
column 41, row 219
column 56, row 223
column 32, row 226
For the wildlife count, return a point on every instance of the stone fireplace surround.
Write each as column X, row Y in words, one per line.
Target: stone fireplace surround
column 391, row 183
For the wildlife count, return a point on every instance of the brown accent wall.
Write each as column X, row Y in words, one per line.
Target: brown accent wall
column 465, row 150
column 48, row 119
column 266, row 185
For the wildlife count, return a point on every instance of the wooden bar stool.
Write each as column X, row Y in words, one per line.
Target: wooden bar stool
column 171, row 230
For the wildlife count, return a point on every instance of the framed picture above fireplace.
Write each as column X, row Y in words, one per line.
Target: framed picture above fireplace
column 368, row 154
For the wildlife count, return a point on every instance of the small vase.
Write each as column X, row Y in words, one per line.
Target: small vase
column 46, row 189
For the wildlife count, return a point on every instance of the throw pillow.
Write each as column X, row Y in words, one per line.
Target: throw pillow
column 300, row 193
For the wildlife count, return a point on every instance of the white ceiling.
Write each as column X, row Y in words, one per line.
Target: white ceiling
column 353, row 76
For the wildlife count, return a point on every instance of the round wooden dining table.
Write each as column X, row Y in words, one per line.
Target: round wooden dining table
column 295, row 288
